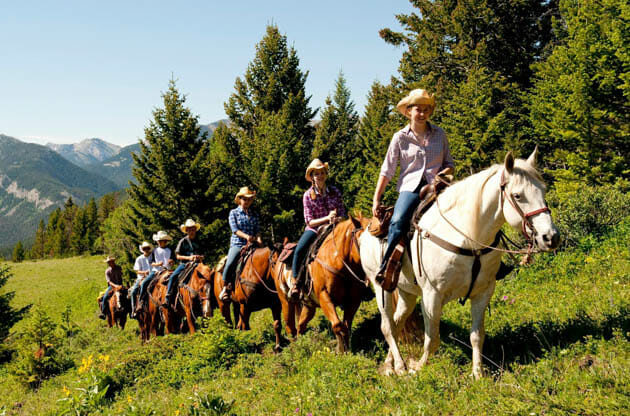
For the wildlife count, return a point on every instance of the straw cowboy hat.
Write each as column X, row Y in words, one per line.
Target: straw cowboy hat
column 415, row 97
column 161, row 236
column 189, row 223
column 246, row 192
column 143, row 245
column 316, row 164
column 109, row 258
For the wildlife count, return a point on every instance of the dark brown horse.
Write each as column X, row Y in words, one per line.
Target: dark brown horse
column 192, row 301
column 119, row 307
column 337, row 279
column 254, row 290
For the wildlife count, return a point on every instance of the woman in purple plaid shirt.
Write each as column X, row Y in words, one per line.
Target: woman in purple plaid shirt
column 245, row 229
column 322, row 205
column 422, row 150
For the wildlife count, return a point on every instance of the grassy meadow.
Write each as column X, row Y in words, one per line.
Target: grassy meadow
column 557, row 343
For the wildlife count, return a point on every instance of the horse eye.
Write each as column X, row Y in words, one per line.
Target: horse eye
column 517, row 196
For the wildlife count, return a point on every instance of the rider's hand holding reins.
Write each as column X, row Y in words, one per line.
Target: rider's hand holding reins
column 380, row 188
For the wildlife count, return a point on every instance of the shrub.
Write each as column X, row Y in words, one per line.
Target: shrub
column 581, row 210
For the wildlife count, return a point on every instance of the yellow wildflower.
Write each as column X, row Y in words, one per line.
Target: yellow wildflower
column 177, row 412
column 66, row 391
column 129, row 399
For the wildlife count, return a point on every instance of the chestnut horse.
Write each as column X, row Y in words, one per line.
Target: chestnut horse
column 337, row 279
column 254, row 290
column 192, row 300
column 282, row 277
column 119, row 307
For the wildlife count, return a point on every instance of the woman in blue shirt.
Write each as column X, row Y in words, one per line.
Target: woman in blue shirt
column 245, row 229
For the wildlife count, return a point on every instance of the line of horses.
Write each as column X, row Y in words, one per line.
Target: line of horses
column 468, row 215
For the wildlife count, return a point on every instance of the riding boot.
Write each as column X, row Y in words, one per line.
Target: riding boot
column 226, row 292
column 296, row 291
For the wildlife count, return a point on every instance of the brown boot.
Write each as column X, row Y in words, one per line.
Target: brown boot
column 226, row 292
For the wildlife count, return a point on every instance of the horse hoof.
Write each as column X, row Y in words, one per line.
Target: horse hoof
column 400, row 370
column 386, row 370
column 277, row 348
column 414, row 365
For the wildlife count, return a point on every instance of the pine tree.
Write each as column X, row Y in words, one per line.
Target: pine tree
column 269, row 134
column 580, row 103
column 336, row 138
column 38, row 249
column 8, row 315
column 53, row 221
column 79, row 233
column 92, row 227
column 18, row 253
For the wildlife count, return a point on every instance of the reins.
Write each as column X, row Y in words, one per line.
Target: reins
column 352, row 243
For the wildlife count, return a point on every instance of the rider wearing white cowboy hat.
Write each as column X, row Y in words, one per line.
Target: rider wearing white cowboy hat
column 187, row 251
column 142, row 267
column 161, row 260
column 245, row 229
column 422, row 150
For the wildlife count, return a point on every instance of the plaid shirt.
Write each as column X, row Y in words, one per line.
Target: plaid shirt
column 417, row 157
column 240, row 221
column 322, row 205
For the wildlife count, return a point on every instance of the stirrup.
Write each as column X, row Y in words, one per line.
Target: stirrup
column 225, row 294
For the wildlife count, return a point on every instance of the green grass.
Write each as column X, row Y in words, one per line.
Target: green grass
column 560, row 340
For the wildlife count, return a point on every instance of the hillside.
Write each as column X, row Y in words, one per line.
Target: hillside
column 118, row 167
column 557, row 333
column 86, row 152
column 33, row 181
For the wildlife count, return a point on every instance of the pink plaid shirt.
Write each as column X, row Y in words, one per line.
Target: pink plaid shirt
column 416, row 158
column 322, row 205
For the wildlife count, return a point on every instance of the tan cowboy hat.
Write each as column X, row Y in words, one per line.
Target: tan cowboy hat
column 246, row 192
column 109, row 258
column 161, row 236
column 143, row 245
column 415, row 97
column 316, row 164
column 189, row 223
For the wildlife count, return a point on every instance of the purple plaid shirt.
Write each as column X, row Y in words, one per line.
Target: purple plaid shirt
column 322, row 205
column 416, row 158
column 240, row 221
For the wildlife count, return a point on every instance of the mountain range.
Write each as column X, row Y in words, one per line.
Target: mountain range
column 35, row 179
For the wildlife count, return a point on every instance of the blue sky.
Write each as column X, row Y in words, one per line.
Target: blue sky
column 70, row 70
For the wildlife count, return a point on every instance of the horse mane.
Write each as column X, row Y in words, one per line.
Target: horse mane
column 221, row 264
column 466, row 194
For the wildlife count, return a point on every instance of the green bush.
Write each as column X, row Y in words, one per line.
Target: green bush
column 580, row 211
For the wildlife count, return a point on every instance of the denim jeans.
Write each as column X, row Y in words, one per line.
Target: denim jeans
column 230, row 264
column 145, row 284
column 134, row 289
column 301, row 249
column 173, row 277
column 403, row 210
column 106, row 296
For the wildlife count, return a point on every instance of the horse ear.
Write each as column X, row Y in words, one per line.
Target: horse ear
column 532, row 158
column 509, row 162
column 355, row 221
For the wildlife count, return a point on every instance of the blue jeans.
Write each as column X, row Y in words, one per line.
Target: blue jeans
column 145, row 284
column 134, row 289
column 173, row 278
column 106, row 296
column 230, row 264
column 301, row 249
column 403, row 210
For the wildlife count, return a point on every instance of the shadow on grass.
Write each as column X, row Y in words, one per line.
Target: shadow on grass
column 528, row 342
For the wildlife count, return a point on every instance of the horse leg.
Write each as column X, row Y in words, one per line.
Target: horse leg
column 431, row 311
column 404, row 307
column 394, row 362
column 189, row 316
column 243, row 321
column 277, row 325
column 478, row 307
column 123, row 320
column 288, row 313
column 349, row 310
column 339, row 328
column 306, row 315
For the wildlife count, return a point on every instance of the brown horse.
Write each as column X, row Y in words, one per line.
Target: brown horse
column 254, row 290
column 283, row 280
column 119, row 307
column 192, row 300
column 337, row 279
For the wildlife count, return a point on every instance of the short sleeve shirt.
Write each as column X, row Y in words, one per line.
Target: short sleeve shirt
column 161, row 255
column 114, row 275
column 187, row 247
column 244, row 222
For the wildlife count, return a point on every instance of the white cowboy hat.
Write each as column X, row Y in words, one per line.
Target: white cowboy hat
column 161, row 236
column 316, row 164
column 246, row 192
column 189, row 223
column 143, row 245
column 109, row 258
column 415, row 97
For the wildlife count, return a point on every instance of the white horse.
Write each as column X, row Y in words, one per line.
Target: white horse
column 468, row 215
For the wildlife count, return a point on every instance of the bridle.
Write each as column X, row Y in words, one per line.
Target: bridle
column 526, row 223
column 353, row 242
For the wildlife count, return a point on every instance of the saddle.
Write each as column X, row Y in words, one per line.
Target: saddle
column 286, row 255
column 428, row 194
column 246, row 252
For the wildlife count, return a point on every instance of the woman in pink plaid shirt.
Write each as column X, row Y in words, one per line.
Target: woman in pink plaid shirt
column 322, row 205
column 422, row 150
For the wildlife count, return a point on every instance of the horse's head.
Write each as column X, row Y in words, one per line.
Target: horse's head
column 352, row 230
column 524, row 206
column 204, row 275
